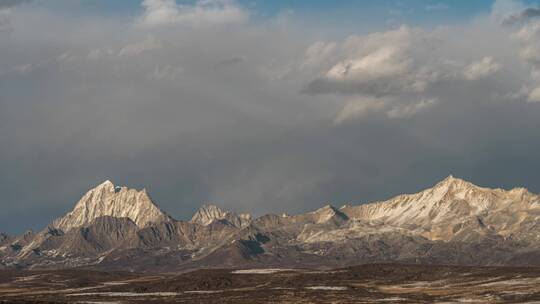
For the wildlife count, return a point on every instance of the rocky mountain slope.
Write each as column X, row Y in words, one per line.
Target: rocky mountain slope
column 458, row 210
column 454, row 222
column 110, row 200
column 209, row 214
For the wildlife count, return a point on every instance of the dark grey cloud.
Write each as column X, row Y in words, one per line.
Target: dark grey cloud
column 527, row 14
column 531, row 12
column 229, row 62
column 12, row 3
column 349, row 87
column 217, row 114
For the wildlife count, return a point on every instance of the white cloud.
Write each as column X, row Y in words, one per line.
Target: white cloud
column 405, row 60
column 412, row 63
column 375, row 56
column 387, row 61
column 140, row 47
column 67, row 57
column 504, row 9
column 483, row 68
column 529, row 38
column 394, row 108
column 99, row 53
column 5, row 18
column 167, row 72
column 202, row 13
column 275, row 72
column 531, row 54
column 6, row 12
column 360, row 107
column 529, row 32
column 534, row 95
column 319, row 53
column 24, row 69
column 411, row 110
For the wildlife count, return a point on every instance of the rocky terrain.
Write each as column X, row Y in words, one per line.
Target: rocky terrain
column 384, row 283
column 453, row 223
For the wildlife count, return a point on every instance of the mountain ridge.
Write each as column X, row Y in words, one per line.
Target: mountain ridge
column 454, row 221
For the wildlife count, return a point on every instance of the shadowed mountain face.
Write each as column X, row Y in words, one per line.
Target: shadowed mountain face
column 454, row 222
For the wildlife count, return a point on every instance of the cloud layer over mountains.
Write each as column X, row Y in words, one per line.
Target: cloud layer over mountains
column 203, row 102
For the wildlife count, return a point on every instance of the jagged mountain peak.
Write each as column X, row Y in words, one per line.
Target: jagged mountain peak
column 106, row 199
column 452, row 187
column 110, row 186
column 444, row 208
column 325, row 210
column 454, row 183
column 212, row 208
column 209, row 213
column 106, row 183
column 324, row 214
column 451, row 179
column 478, row 198
column 28, row 233
column 326, row 207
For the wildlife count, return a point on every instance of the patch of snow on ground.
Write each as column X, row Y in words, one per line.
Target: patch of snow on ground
column 101, row 259
column 97, row 302
column 436, row 283
column 114, row 283
column 391, row 299
column 327, row 288
column 28, row 278
column 261, row 271
column 512, row 282
column 126, row 294
column 203, row 291
column 325, row 271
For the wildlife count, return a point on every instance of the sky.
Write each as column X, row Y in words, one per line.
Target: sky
column 262, row 106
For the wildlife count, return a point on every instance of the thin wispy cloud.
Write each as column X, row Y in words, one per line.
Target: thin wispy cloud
column 437, row 7
column 202, row 13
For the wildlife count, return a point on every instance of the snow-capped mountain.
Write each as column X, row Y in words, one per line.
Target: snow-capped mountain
column 454, row 222
column 208, row 214
column 452, row 206
column 109, row 200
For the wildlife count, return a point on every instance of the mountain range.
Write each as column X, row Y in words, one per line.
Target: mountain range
column 454, row 222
